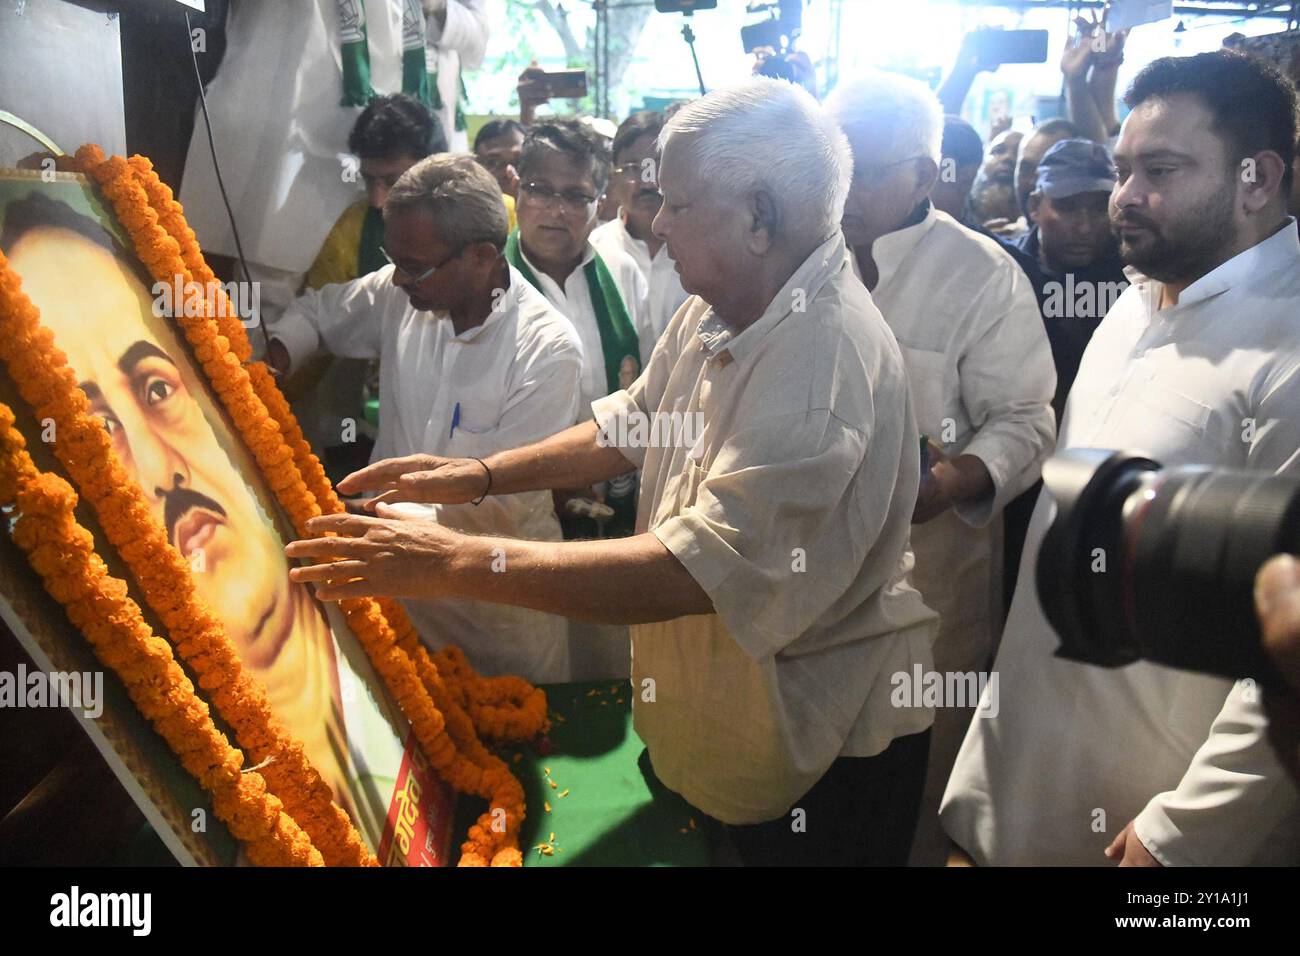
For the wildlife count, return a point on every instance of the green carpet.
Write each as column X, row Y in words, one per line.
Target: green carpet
column 606, row 808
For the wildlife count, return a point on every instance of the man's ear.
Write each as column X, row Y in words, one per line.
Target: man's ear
column 765, row 221
column 1261, row 179
column 927, row 174
column 482, row 256
column 1035, row 200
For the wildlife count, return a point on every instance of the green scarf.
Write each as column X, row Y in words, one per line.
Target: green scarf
column 618, row 339
column 461, row 100
column 620, row 346
column 369, row 256
column 355, row 53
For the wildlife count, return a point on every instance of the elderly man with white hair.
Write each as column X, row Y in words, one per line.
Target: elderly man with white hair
column 767, row 581
column 982, row 380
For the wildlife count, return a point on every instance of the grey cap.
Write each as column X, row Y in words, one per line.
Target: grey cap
column 1075, row 166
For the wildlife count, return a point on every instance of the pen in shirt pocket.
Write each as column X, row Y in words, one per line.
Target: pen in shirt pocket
column 455, row 420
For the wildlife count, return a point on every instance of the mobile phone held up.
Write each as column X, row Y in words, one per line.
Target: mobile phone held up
column 1011, row 46
column 565, row 84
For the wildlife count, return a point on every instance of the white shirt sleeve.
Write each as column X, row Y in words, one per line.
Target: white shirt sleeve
column 346, row 319
column 1007, row 382
column 638, row 307
column 1232, row 798
column 1235, row 792
column 1275, row 442
column 466, row 32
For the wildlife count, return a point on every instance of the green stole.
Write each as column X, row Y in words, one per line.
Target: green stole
column 369, row 256
column 618, row 343
column 436, row 98
column 355, row 53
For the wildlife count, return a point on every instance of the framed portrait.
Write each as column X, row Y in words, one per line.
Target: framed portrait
column 174, row 438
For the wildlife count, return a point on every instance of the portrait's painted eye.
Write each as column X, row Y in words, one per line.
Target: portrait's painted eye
column 111, row 424
column 156, row 390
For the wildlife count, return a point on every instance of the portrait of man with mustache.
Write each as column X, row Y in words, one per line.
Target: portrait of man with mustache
column 100, row 311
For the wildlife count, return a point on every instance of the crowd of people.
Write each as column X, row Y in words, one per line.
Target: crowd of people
column 867, row 330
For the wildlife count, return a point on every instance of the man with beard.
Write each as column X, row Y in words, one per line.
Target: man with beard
column 1197, row 363
column 993, row 197
column 162, row 437
column 391, row 135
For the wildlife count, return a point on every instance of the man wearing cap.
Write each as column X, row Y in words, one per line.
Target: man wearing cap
column 1073, row 263
column 1079, row 272
column 981, row 378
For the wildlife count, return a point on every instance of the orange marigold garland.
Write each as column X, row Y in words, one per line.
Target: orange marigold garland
column 172, row 219
column 449, row 741
column 62, row 552
column 505, row 708
column 465, row 764
column 40, row 371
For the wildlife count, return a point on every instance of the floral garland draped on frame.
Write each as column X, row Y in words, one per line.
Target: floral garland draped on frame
column 448, row 705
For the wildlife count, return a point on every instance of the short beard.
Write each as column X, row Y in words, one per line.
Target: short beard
column 1188, row 248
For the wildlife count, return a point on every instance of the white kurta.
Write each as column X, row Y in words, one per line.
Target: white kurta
column 982, row 379
column 981, row 375
column 574, row 303
column 515, row 380
column 665, row 295
column 1184, row 753
column 791, row 511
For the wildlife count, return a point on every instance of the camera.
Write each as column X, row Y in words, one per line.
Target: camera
column 1143, row 562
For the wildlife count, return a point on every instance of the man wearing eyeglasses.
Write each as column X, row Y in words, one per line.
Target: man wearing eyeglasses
column 981, row 375
column 634, row 187
column 391, row 135
column 473, row 361
column 564, row 170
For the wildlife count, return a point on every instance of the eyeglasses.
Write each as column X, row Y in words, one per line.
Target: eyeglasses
column 632, row 171
column 572, row 200
column 416, row 280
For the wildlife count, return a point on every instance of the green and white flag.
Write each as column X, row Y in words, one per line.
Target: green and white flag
column 355, row 53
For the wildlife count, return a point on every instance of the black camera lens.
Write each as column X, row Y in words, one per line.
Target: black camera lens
column 1145, row 562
